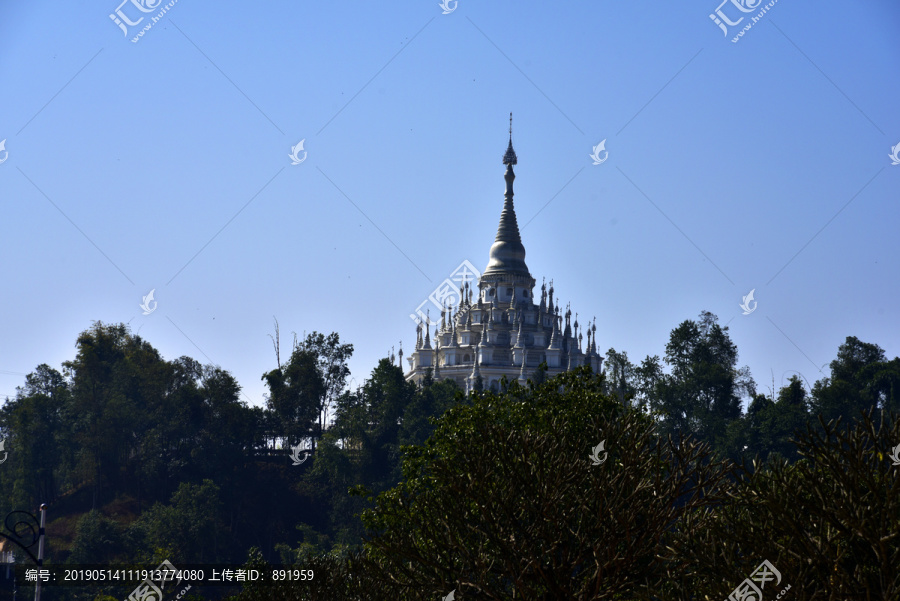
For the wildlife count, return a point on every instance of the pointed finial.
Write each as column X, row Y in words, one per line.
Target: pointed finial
column 510, row 157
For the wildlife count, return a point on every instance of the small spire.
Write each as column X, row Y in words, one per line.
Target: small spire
column 520, row 337
column 554, row 339
column 436, row 373
column 550, row 304
column 543, row 306
column 510, row 157
column 522, row 378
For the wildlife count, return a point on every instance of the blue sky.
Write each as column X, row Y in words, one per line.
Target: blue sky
column 163, row 165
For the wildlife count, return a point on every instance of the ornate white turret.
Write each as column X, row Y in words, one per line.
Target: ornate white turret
column 502, row 330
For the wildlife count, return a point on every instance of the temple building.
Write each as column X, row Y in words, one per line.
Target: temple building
column 502, row 329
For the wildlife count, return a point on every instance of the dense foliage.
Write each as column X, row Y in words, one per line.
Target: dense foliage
column 142, row 458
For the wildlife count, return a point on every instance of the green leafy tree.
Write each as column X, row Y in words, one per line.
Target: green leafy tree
column 36, row 439
column 296, row 395
column 98, row 540
column 189, row 528
column 503, row 502
column 861, row 378
column 332, row 357
column 101, row 409
column 429, row 402
column 620, row 375
column 703, row 392
column 828, row 522
column 785, row 417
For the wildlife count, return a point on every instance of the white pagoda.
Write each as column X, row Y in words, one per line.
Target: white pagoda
column 501, row 329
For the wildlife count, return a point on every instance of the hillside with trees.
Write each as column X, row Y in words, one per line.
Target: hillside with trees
column 411, row 491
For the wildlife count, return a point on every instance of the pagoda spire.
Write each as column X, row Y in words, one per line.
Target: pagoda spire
column 522, row 379
column 507, row 255
column 437, row 355
column 510, row 157
column 520, row 337
column 550, row 304
column 554, row 334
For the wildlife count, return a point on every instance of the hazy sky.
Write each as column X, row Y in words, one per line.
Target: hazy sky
column 163, row 164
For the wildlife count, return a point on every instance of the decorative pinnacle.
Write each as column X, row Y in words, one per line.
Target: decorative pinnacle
column 510, row 157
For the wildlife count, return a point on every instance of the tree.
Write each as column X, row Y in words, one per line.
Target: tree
column 502, row 502
column 784, row 418
column 98, row 540
column 429, row 402
column 332, row 358
column 620, row 375
column 649, row 378
column 704, row 390
column 828, row 522
column 861, row 378
column 103, row 414
column 296, row 394
column 36, row 431
column 189, row 527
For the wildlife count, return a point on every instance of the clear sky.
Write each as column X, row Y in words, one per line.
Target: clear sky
column 163, row 164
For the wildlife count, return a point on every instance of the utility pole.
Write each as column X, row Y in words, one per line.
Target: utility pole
column 40, row 559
